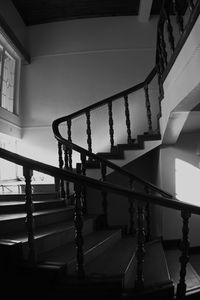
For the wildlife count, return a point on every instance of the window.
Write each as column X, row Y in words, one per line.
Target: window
column 7, row 79
column 187, row 182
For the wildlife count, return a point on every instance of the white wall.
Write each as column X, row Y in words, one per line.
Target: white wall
column 185, row 150
column 77, row 63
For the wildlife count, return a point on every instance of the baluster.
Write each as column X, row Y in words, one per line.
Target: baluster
column 111, row 130
column 190, row 5
column 69, row 131
column 128, row 123
column 140, row 252
column 181, row 287
column 148, row 108
column 179, row 18
column 163, row 51
column 169, row 31
column 61, row 163
column 78, row 221
column 66, row 166
column 159, row 57
column 131, row 210
column 30, row 223
column 148, row 219
column 104, row 197
column 84, row 191
column 89, row 133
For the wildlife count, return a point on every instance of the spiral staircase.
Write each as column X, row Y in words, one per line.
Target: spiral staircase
column 60, row 242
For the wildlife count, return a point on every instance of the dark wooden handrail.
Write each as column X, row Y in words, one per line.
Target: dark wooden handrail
column 107, row 162
column 70, row 145
column 105, row 186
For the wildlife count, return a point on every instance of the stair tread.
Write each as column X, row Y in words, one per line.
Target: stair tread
column 67, row 253
column 192, row 278
column 114, row 261
column 155, row 266
column 12, row 216
column 43, row 231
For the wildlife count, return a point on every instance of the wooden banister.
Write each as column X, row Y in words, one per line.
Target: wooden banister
column 96, row 184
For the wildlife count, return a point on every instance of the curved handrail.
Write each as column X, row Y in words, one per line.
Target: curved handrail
column 105, row 186
column 70, row 145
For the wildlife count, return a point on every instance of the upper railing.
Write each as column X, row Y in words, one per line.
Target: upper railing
column 175, row 23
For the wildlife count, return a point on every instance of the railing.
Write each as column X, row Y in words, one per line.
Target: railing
column 175, row 16
column 80, row 181
column 150, row 195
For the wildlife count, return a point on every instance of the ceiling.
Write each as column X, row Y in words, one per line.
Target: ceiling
column 35, row 12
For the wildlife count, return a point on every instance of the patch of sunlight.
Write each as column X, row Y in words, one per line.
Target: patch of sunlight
column 187, row 182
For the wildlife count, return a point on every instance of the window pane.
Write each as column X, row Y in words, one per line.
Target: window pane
column 1, row 58
column 8, row 82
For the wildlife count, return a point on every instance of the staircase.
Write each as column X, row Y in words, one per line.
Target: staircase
column 54, row 246
column 109, row 254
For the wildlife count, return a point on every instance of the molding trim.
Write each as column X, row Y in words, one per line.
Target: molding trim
column 86, row 52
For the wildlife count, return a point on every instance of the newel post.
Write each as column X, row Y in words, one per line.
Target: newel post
column 184, row 258
column 30, row 223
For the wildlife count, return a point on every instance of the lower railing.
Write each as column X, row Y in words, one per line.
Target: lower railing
column 140, row 200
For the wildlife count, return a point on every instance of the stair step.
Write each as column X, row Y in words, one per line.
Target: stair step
column 51, row 236
column 115, row 264
column 192, row 278
column 7, row 207
column 157, row 281
column 35, row 196
column 111, row 155
column 149, row 137
column 16, row 221
column 94, row 244
column 135, row 146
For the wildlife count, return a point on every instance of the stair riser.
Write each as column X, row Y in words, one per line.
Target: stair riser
column 95, row 251
column 21, row 197
column 58, row 239
column 41, row 220
column 20, row 208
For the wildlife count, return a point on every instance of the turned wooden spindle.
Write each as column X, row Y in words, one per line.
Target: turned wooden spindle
column 128, row 122
column 132, row 229
column 179, row 18
column 111, row 128
column 66, row 167
column 84, row 189
column 69, row 132
column 88, row 131
column 104, row 197
column 148, row 217
column 61, row 164
column 184, row 258
column 140, row 252
column 169, row 30
column 78, row 221
column 190, row 5
column 30, row 223
column 148, row 108
column 162, row 44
